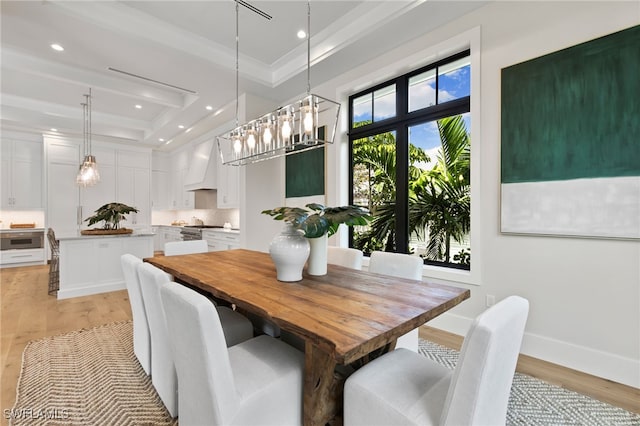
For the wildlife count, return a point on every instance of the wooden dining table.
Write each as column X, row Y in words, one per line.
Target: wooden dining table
column 344, row 317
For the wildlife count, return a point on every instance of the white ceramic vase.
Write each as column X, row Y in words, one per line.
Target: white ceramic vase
column 289, row 251
column 318, row 257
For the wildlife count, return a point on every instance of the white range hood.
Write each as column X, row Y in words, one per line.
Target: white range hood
column 202, row 168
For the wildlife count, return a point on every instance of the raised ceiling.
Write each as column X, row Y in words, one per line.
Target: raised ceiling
column 175, row 58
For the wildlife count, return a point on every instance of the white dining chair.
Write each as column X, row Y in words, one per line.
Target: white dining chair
column 345, row 256
column 402, row 266
column 402, row 387
column 257, row 382
column 174, row 248
column 237, row 328
column 141, row 336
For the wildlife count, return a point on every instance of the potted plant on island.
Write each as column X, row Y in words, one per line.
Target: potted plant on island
column 112, row 214
column 316, row 222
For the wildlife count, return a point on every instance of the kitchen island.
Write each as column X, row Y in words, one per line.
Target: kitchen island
column 90, row 264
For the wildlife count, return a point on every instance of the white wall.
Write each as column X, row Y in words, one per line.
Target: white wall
column 584, row 293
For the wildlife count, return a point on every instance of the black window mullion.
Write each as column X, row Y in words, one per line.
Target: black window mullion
column 402, row 168
column 402, row 190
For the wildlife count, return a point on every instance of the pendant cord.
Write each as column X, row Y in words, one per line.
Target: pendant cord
column 84, row 127
column 89, row 125
column 308, row 47
column 237, row 62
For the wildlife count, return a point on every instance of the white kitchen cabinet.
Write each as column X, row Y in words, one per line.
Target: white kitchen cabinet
column 22, row 257
column 21, row 174
column 158, row 238
column 95, row 196
column 182, row 199
column 63, row 197
column 90, row 265
column 169, row 234
column 160, row 190
column 228, row 184
column 133, row 186
column 219, row 240
column 228, row 187
column 124, row 177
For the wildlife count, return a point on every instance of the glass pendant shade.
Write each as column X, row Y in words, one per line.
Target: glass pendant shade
column 88, row 171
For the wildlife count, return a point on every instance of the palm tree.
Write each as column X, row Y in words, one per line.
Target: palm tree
column 374, row 161
column 441, row 203
column 439, row 199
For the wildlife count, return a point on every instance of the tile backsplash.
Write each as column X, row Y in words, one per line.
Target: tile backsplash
column 208, row 216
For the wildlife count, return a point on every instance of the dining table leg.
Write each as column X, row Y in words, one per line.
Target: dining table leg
column 323, row 387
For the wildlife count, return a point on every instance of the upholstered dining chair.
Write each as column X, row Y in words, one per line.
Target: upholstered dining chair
column 256, row 382
column 402, row 387
column 402, row 266
column 141, row 336
column 174, row 248
column 237, row 328
column 345, row 256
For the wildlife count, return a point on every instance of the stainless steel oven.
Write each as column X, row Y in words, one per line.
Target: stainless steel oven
column 194, row 232
column 12, row 240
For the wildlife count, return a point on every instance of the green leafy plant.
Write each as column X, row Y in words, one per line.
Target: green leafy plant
column 111, row 214
column 317, row 220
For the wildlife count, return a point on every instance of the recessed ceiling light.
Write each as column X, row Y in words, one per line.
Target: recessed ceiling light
column 138, row 106
column 56, row 46
column 209, row 108
column 188, row 130
column 180, row 126
column 302, row 34
column 161, row 140
column 53, row 130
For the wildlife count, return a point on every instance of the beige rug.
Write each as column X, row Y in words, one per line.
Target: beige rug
column 91, row 377
column 87, row 377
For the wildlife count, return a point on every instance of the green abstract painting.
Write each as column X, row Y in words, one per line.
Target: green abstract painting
column 570, row 140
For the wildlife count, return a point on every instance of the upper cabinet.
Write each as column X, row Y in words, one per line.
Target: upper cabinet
column 103, row 192
column 125, row 177
column 133, row 185
column 180, row 197
column 21, row 173
column 228, row 185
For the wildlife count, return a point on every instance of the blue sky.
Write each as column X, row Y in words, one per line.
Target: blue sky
column 452, row 85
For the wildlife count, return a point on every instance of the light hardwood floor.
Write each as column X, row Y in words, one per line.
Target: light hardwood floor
column 29, row 313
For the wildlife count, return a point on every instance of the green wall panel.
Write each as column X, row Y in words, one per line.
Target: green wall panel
column 574, row 113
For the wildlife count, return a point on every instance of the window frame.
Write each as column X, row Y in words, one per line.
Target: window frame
column 401, row 123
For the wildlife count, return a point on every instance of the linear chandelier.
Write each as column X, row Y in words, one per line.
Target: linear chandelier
column 305, row 124
column 88, row 172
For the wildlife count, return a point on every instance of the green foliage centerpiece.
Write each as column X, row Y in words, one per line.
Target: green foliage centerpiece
column 318, row 222
column 112, row 214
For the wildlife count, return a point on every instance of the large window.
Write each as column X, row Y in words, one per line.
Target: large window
column 410, row 151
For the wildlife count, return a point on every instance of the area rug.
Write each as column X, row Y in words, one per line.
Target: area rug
column 87, row 377
column 534, row 402
column 91, row 377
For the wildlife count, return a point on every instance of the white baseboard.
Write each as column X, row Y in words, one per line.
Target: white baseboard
column 92, row 289
column 591, row 361
column 597, row 363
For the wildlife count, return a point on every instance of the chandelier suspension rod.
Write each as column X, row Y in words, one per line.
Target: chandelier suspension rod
column 237, row 62
column 308, row 47
column 89, row 125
